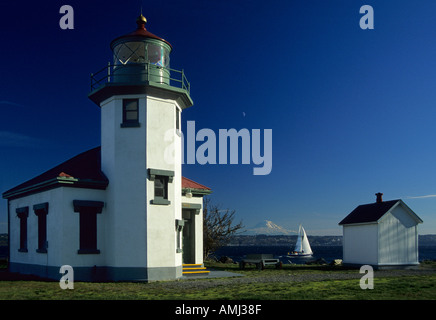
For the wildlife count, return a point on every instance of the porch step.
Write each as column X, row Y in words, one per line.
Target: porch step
column 194, row 269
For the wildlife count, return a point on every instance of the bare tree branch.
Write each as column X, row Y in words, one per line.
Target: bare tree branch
column 218, row 227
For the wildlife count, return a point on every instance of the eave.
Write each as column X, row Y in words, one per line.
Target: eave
column 55, row 183
column 196, row 192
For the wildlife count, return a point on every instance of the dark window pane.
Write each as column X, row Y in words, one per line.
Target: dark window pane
column 131, row 105
column 161, row 187
column 42, row 231
column 23, row 233
column 130, row 110
column 177, row 119
column 131, row 116
column 88, row 229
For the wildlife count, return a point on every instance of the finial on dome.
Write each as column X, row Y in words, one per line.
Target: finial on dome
column 141, row 21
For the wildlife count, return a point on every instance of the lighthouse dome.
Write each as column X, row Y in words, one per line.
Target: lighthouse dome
column 141, row 46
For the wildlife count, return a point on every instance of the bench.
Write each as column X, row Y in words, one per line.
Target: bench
column 260, row 260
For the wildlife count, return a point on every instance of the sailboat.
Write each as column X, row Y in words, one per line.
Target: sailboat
column 302, row 247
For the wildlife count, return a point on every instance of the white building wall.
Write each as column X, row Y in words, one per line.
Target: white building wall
column 148, row 231
column 360, row 244
column 63, row 230
column 397, row 238
column 54, row 251
column 123, row 162
column 69, row 229
column 164, row 153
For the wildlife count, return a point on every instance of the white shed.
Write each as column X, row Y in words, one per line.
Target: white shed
column 381, row 234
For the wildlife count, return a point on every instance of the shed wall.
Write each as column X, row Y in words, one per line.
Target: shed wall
column 397, row 238
column 360, row 244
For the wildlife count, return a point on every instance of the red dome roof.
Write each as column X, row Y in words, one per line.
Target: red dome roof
column 141, row 32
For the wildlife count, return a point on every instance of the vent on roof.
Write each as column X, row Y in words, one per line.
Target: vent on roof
column 379, row 197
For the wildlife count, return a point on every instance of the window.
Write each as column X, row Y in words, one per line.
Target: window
column 41, row 211
column 130, row 113
column 161, row 179
column 129, row 52
column 177, row 120
column 23, row 214
column 161, row 187
column 179, row 230
column 88, row 225
column 158, row 55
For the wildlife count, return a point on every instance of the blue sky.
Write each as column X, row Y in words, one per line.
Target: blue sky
column 352, row 111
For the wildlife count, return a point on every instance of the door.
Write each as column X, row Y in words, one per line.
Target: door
column 188, row 235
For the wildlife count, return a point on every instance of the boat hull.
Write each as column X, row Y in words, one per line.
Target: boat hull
column 293, row 255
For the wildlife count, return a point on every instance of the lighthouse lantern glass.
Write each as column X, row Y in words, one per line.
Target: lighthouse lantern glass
column 129, row 52
column 141, row 52
column 158, row 55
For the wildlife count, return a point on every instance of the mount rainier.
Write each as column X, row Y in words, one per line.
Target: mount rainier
column 269, row 228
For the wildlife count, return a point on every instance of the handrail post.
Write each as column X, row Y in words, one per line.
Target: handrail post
column 183, row 79
column 109, row 71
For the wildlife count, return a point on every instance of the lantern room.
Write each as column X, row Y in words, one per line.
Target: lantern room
column 141, row 56
column 140, row 64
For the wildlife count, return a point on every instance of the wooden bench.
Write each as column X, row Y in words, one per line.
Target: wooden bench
column 260, row 260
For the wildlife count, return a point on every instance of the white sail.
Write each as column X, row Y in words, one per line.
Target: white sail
column 305, row 245
column 298, row 245
column 302, row 247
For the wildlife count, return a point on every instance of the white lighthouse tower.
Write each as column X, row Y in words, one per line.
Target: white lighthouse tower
column 141, row 100
column 120, row 211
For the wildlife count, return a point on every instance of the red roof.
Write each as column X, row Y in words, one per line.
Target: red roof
column 141, row 32
column 83, row 170
column 188, row 183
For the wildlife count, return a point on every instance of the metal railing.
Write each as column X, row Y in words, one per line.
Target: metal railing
column 141, row 73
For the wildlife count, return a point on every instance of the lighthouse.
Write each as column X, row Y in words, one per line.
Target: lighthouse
column 141, row 101
column 122, row 210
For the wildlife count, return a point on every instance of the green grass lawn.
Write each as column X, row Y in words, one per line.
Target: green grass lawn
column 389, row 288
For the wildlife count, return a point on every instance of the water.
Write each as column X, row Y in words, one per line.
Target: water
column 328, row 253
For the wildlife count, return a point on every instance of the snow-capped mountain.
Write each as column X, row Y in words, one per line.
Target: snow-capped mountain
column 269, row 228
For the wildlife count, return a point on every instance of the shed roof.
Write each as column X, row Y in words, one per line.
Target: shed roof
column 372, row 212
column 368, row 212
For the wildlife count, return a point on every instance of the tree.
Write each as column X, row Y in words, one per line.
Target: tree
column 218, row 227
